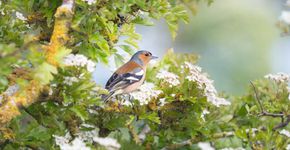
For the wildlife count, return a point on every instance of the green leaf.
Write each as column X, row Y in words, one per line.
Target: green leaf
column 151, row 116
column 38, row 133
column 243, row 111
column 80, row 111
column 119, row 59
column 127, row 49
column 172, row 28
column 100, row 41
column 43, row 73
column 62, row 52
column 143, row 21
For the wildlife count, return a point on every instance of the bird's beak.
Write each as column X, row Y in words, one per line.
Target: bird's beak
column 154, row 57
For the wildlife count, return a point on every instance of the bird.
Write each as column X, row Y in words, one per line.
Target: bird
column 129, row 76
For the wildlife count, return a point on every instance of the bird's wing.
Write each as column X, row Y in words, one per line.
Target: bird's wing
column 120, row 81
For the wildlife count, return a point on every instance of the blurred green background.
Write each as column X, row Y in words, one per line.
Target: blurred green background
column 237, row 41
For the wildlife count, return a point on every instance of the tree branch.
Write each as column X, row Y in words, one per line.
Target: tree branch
column 282, row 124
column 31, row 92
column 195, row 140
column 263, row 112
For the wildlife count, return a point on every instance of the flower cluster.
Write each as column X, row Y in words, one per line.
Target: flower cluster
column 168, row 77
column 162, row 102
column 70, row 80
column 79, row 60
column 107, row 142
column 145, row 93
column 20, row 16
column 64, row 143
column 279, row 77
column 285, row 17
column 90, row 2
column 205, row 146
column 203, row 82
column 80, row 141
column 285, row 132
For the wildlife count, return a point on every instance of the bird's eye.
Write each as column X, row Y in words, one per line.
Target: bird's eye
column 146, row 54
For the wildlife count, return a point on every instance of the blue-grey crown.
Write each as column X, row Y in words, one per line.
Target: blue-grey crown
column 136, row 58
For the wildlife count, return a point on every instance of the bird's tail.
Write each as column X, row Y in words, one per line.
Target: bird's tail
column 105, row 98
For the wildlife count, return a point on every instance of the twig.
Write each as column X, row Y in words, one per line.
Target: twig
column 257, row 97
column 282, row 124
column 270, row 114
column 133, row 134
column 263, row 112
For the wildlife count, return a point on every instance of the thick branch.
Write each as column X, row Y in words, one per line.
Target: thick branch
column 31, row 92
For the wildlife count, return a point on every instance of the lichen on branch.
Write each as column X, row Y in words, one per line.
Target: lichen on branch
column 31, row 91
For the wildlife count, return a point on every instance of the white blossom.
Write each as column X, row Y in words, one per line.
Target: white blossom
column 109, row 143
column 50, row 92
column 91, row 66
column 203, row 82
column 20, row 16
column 285, row 17
column 162, row 101
column 145, row 93
column 70, row 80
column 79, row 60
column 288, row 147
column 204, row 112
column 90, row 2
column 126, row 102
column 79, row 143
column 279, row 77
column 168, row 77
column 285, row 132
column 64, row 144
column 205, row 146
column 2, row 12
column 61, row 140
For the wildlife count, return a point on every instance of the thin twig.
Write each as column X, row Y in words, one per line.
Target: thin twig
column 282, row 124
column 263, row 112
column 257, row 97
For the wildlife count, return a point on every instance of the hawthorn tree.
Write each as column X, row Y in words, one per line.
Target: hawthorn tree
column 48, row 51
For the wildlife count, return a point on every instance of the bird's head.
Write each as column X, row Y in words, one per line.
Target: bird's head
column 143, row 57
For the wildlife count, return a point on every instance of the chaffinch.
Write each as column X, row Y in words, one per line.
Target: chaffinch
column 129, row 76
